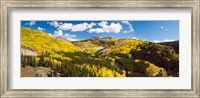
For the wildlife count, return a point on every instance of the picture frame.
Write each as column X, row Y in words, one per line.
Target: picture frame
column 7, row 5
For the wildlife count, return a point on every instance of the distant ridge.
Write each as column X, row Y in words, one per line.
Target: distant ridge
column 174, row 44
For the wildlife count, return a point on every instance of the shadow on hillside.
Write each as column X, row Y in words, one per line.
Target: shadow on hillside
column 81, row 58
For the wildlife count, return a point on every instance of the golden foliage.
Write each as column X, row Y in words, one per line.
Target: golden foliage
column 41, row 42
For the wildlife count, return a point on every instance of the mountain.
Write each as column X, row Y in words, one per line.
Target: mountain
column 41, row 42
column 160, row 55
column 94, row 57
column 124, row 46
column 94, row 44
column 124, row 51
column 174, row 44
column 60, row 58
column 121, row 47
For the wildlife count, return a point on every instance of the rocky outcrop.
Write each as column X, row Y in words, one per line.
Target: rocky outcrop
column 28, row 52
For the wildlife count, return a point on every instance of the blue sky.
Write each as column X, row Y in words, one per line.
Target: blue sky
column 154, row 31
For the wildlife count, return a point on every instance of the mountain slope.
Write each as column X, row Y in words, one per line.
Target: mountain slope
column 124, row 51
column 124, row 46
column 60, row 57
column 111, row 58
column 174, row 44
column 42, row 42
column 160, row 55
column 94, row 44
column 121, row 47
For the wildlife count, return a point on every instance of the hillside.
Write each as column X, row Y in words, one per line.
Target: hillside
column 61, row 57
column 94, row 57
column 94, row 44
column 41, row 42
column 123, row 51
column 124, row 46
column 174, row 44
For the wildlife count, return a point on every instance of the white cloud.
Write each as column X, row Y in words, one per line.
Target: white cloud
column 126, row 32
column 91, row 25
column 144, row 39
column 168, row 40
column 97, row 30
column 82, row 26
column 125, row 22
column 70, row 37
column 78, row 27
column 135, row 38
column 103, row 24
column 50, row 34
column 41, row 29
column 113, row 27
column 58, row 33
column 156, row 41
column 31, row 23
column 54, row 23
column 165, row 40
column 130, row 27
column 65, row 26
column 164, row 28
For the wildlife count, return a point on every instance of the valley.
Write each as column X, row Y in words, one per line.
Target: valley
column 95, row 57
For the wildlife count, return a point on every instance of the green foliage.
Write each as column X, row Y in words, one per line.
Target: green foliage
column 86, row 70
column 120, row 58
column 139, row 68
column 72, row 69
column 160, row 55
column 174, row 45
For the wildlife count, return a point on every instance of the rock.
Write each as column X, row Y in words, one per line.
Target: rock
column 28, row 52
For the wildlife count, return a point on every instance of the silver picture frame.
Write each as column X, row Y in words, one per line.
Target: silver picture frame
column 7, row 5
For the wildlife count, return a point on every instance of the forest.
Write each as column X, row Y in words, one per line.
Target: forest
column 96, row 57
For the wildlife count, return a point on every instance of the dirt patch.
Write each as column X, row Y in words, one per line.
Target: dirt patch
column 29, row 71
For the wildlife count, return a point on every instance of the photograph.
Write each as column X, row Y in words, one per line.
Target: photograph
column 99, row 48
